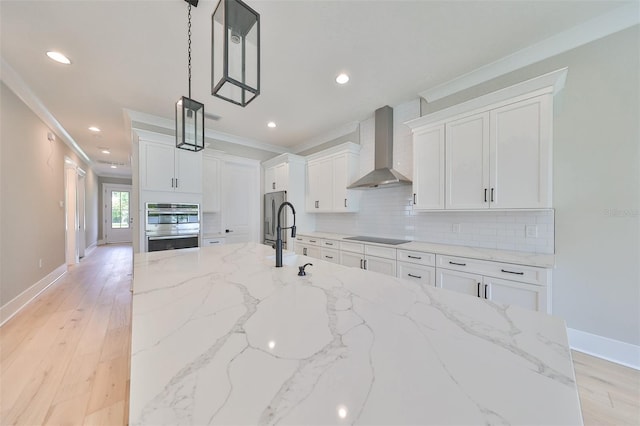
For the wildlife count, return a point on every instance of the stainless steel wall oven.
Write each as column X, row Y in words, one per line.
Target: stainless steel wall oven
column 172, row 226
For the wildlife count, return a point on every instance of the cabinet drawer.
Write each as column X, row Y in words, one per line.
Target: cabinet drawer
column 304, row 239
column 378, row 251
column 331, row 244
column 527, row 274
column 425, row 275
column 420, row 258
column 206, row 242
column 352, row 247
column 330, row 255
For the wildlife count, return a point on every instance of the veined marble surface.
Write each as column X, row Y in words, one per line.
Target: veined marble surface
column 516, row 257
column 222, row 336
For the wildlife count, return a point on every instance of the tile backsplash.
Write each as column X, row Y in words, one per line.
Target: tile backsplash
column 388, row 212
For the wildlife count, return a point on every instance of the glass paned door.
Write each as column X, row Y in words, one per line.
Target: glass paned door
column 117, row 215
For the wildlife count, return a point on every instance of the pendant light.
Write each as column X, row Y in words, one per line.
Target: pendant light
column 189, row 113
column 235, row 56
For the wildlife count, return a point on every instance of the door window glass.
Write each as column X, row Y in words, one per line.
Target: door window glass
column 119, row 209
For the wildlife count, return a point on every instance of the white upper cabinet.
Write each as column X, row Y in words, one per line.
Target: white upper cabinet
column 497, row 151
column 428, row 168
column 467, row 162
column 166, row 168
column 276, row 178
column 328, row 175
column 521, row 157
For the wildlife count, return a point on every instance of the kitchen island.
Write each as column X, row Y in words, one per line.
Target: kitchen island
column 222, row 336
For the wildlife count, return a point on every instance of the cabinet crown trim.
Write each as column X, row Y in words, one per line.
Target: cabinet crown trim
column 551, row 82
column 283, row 158
column 349, row 147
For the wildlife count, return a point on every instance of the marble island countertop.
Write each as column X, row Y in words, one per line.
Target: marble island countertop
column 221, row 336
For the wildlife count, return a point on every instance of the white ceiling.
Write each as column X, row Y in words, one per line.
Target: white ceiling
column 133, row 55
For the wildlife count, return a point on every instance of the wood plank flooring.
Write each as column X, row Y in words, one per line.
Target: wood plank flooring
column 64, row 359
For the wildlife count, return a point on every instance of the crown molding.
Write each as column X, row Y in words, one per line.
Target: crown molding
column 22, row 90
column 154, row 120
column 602, row 26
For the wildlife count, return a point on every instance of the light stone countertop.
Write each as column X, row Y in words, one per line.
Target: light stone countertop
column 222, row 336
column 506, row 256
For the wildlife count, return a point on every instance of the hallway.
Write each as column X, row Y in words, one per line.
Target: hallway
column 64, row 359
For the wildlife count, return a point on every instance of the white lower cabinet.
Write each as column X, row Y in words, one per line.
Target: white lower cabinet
column 209, row 242
column 330, row 255
column 478, row 278
column 369, row 257
column 425, row 275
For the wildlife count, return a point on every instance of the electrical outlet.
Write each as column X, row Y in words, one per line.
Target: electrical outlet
column 455, row 228
column 531, row 231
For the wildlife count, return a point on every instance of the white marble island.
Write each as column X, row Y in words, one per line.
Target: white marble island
column 221, row 336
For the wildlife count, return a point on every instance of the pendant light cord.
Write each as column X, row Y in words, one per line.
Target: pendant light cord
column 189, row 36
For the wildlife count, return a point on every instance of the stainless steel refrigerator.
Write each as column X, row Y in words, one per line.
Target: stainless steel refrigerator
column 272, row 202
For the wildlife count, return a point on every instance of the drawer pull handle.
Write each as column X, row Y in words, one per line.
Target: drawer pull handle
column 511, row 272
column 312, row 241
column 328, row 257
column 458, row 264
column 415, row 276
column 328, row 244
column 414, row 257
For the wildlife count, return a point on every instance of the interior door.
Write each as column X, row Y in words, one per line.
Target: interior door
column 117, row 214
column 240, row 201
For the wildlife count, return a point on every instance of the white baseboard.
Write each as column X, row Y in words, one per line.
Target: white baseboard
column 91, row 248
column 602, row 347
column 9, row 309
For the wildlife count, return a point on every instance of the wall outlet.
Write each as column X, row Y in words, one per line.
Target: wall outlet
column 531, row 231
column 455, row 228
column 40, row 263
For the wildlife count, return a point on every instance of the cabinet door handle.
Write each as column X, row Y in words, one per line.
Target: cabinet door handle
column 317, row 204
column 304, row 251
column 365, row 264
column 414, row 257
column 361, row 267
column 176, row 182
column 511, row 272
column 485, row 195
column 458, row 264
column 273, row 185
column 492, row 195
column 414, row 198
column 485, row 290
column 328, row 257
column 414, row 276
column 172, row 183
column 345, row 202
column 478, row 289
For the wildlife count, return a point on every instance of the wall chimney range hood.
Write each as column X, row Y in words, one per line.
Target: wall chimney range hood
column 383, row 175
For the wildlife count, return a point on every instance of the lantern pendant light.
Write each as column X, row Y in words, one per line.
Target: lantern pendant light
column 235, row 56
column 189, row 113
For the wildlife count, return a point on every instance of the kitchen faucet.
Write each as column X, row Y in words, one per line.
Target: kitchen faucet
column 279, row 231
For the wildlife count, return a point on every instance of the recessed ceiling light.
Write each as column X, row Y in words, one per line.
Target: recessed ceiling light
column 271, row 124
column 113, row 166
column 105, row 150
column 58, row 57
column 94, row 129
column 342, row 78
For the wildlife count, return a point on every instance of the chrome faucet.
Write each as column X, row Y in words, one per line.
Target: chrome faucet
column 279, row 231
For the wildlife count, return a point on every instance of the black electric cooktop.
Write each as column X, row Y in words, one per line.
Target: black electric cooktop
column 366, row 239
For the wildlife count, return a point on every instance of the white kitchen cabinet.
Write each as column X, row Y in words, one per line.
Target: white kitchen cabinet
column 211, row 184
column 276, row 178
column 429, row 168
column 166, row 168
column 369, row 257
column 526, row 286
column 521, row 157
column 211, row 242
column 467, row 162
column 497, row 156
column 416, row 266
column 328, row 175
column 330, row 255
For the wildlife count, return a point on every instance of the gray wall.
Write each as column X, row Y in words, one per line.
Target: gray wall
column 32, row 186
column 596, row 282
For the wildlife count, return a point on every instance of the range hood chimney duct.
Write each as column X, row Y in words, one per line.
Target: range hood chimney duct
column 383, row 175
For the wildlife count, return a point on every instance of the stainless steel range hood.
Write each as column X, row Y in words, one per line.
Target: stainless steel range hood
column 383, row 175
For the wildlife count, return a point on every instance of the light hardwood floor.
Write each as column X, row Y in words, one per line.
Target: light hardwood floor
column 64, row 359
